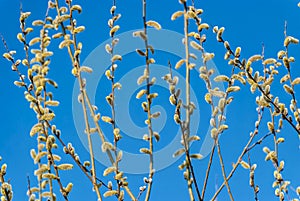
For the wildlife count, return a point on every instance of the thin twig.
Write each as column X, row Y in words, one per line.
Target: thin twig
column 208, row 171
column 259, row 141
column 28, row 186
column 234, row 167
column 223, row 170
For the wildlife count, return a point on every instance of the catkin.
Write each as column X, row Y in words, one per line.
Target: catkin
column 154, row 24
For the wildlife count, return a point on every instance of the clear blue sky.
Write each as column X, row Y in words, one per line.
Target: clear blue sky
column 247, row 24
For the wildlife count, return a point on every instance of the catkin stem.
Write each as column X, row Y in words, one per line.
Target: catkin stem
column 112, row 105
column 186, row 132
column 87, row 126
column 149, row 101
column 82, row 90
column 85, row 113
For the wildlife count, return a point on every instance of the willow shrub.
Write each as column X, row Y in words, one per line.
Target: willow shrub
column 60, row 24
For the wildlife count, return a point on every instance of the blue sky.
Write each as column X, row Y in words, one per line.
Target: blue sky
column 247, row 24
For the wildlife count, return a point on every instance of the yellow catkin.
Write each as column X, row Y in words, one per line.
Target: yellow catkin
column 140, row 34
column 254, row 58
column 57, row 35
column 214, row 133
column 107, row 146
column 106, row 119
column 37, row 23
column 69, row 187
column 65, row 166
column 119, row 176
column 114, row 30
column 220, row 33
column 237, row 52
column 8, row 56
column 176, row 15
column 222, row 128
column 49, row 176
column 110, row 193
column 86, row 69
column 34, row 41
column 145, row 151
column 140, row 52
column 191, row 14
column 208, row 56
column 296, row 81
column 232, row 89
column 141, row 93
column 154, row 24
column 116, row 57
column 196, row 156
column 221, row 78
column 269, row 61
column 298, row 188
column 77, row 8
column 266, row 150
column 153, row 95
column 196, row 45
column 203, row 26
column 79, row 29
column 41, row 170
column 280, row 140
column 288, row 89
column 108, row 48
column 290, row 39
column 108, row 170
column 179, row 63
column 65, row 43
column 208, row 98
column 245, row 165
column 178, row 152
